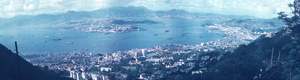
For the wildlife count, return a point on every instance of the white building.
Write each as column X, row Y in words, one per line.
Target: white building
column 105, row 69
column 79, row 76
column 95, row 77
column 85, row 76
column 73, row 74
column 143, row 52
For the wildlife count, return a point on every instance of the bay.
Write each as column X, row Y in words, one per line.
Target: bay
column 33, row 40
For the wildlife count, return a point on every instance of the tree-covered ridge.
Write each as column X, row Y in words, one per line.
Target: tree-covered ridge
column 272, row 56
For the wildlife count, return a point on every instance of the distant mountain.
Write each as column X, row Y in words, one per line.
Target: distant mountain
column 9, row 68
column 122, row 12
column 115, row 12
column 173, row 12
column 133, row 22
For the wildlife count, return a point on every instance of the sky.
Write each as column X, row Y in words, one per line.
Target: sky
column 257, row 8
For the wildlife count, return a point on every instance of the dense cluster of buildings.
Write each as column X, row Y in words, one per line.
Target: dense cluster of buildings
column 99, row 26
column 234, row 36
column 78, row 62
column 78, row 75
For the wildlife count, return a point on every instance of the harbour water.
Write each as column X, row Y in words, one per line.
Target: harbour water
column 32, row 40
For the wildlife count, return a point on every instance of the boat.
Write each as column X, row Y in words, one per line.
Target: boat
column 56, row 39
column 46, row 36
column 69, row 43
column 169, row 38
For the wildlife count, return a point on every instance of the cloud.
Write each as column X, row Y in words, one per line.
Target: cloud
column 28, row 7
column 11, row 8
column 258, row 8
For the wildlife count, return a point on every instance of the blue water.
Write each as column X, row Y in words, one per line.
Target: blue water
column 31, row 40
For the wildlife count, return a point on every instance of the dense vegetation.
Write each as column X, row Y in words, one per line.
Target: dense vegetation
column 276, row 56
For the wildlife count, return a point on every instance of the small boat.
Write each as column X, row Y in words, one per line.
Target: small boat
column 69, row 43
column 56, row 39
column 169, row 38
column 46, row 36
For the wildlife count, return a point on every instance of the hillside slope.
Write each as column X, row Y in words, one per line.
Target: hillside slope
column 9, row 68
column 253, row 61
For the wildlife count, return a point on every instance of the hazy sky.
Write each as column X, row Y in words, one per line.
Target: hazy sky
column 258, row 8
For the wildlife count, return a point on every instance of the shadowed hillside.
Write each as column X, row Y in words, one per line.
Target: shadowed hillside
column 9, row 68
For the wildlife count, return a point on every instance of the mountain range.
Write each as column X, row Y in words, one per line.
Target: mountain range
column 115, row 12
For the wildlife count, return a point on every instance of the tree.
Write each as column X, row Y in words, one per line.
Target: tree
column 291, row 63
column 294, row 20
